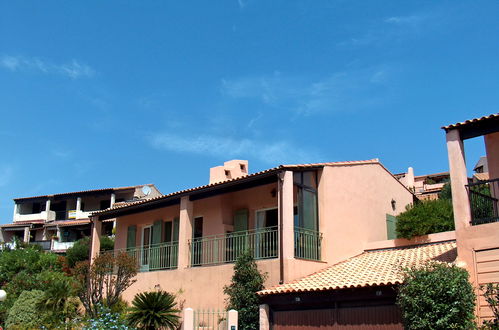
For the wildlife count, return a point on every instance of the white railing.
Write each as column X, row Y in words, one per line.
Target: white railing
column 47, row 216
column 61, row 246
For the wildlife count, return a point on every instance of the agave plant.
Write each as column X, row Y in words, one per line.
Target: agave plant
column 154, row 310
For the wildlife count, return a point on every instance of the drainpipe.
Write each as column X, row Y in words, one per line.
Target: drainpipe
column 280, row 179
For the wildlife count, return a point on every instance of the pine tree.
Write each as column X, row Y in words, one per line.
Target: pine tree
column 246, row 282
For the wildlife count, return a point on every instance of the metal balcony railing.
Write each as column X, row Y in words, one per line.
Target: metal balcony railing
column 225, row 248
column 484, row 201
column 154, row 257
column 307, row 244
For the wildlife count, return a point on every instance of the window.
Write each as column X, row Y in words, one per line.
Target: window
column 267, row 218
column 306, row 189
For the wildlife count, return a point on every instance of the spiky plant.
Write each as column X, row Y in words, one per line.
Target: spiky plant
column 154, row 310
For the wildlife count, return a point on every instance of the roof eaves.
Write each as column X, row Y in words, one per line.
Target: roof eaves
column 469, row 121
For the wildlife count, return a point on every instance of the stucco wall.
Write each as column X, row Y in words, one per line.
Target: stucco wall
column 353, row 203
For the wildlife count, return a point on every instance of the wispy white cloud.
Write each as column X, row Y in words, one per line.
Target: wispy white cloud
column 73, row 69
column 241, row 3
column 394, row 28
column 342, row 91
column 272, row 152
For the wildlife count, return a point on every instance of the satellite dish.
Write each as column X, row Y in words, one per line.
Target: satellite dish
column 146, row 190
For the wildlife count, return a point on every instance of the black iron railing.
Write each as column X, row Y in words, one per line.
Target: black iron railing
column 484, row 201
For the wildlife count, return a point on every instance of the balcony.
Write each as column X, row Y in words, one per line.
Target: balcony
column 45, row 245
column 484, row 201
column 47, row 216
column 62, row 246
column 307, row 244
column 154, row 257
column 226, row 248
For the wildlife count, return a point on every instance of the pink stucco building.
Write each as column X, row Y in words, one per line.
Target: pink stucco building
column 476, row 205
column 297, row 219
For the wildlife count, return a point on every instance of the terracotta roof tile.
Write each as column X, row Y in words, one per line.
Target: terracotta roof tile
column 23, row 223
column 64, row 223
column 371, row 268
column 82, row 192
column 470, row 121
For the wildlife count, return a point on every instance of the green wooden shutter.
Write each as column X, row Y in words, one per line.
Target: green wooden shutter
column 156, row 232
column 241, row 220
column 391, row 224
column 131, row 236
column 176, row 223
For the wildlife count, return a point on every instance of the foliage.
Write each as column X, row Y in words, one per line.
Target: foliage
column 491, row 295
column 25, row 313
column 19, row 271
column 246, row 282
column 59, row 299
column 105, row 319
column 152, row 310
column 426, row 217
column 104, row 281
column 80, row 251
column 436, row 296
column 446, row 192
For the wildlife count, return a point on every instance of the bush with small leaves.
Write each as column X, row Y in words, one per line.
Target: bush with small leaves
column 437, row 296
column 25, row 313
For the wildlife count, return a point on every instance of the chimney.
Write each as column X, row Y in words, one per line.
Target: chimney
column 230, row 170
column 410, row 178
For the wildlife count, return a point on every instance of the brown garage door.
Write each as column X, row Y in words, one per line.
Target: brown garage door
column 365, row 318
column 487, row 269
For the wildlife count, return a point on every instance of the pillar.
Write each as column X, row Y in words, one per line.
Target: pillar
column 96, row 234
column 16, row 211
column 113, row 199
column 186, row 222
column 47, row 209
column 232, row 320
column 26, row 235
column 458, row 179
column 188, row 319
column 78, row 204
column 410, row 178
column 264, row 317
column 287, row 205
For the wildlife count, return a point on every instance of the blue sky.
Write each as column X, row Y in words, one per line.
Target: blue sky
column 113, row 93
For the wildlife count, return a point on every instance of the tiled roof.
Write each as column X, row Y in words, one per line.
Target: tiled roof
column 82, row 192
column 23, row 223
column 122, row 205
column 470, row 121
column 64, row 223
column 481, row 176
column 371, row 268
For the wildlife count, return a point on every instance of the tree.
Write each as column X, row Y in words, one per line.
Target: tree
column 154, row 310
column 242, row 292
column 105, row 280
column 80, row 251
column 425, row 217
column 436, row 296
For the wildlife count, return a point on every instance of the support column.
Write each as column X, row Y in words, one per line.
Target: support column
column 96, row 234
column 264, row 317
column 26, row 235
column 458, row 179
column 286, row 203
column 16, row 211
column 78, row 204
column 188, row 319
column 47, row 209
column 113, row 199
column 232, row 320
column 186, row 222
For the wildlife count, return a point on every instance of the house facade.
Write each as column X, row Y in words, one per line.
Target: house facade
column 425, row 187
column 296, row 219
column 56, row 221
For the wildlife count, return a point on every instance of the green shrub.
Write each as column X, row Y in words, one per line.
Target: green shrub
column 25, row 313
column 154, row 310
column 104, row 320
column 491, row 295
column 246, row 282
column 425, row 218
column 80, row 251
column 437, row 296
